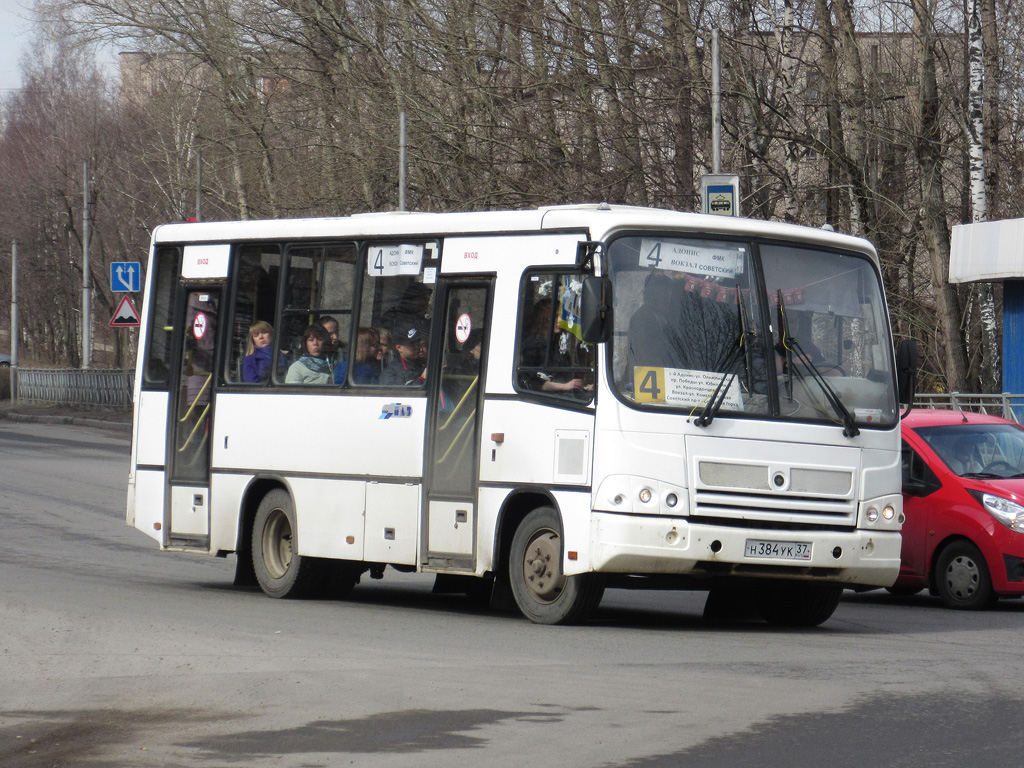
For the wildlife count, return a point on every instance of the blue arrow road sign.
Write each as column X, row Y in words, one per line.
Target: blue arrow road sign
column 125, row 277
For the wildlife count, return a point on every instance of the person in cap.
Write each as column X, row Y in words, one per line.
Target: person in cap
column 407, row 365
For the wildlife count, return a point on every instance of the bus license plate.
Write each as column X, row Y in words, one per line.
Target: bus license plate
column 783, row 550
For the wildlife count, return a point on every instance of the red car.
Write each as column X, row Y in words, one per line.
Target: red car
column 963, row 497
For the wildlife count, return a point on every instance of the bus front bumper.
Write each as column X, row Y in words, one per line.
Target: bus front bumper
column 636, row 544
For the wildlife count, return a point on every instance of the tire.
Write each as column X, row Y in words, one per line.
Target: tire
column 962, row 578
column 544, row 595
column 280, row 571
column 799, row 603
column 340, row 577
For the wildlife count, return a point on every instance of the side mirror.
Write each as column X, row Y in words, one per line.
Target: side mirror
column 596, row 309
column 906, row 370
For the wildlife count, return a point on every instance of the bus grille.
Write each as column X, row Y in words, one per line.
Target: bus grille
column 744, row 494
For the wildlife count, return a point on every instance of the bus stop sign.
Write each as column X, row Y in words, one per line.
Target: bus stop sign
column 720, row 193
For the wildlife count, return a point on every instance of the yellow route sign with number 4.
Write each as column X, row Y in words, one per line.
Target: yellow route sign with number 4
column 649, row 384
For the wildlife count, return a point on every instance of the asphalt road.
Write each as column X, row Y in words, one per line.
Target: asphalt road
column 113, row 654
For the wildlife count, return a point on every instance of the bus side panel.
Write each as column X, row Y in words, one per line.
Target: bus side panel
column 541, row 444
column 576, row 524
column 320, row 433
column 151, row 415
column 392, row 531
column 489, row 506
column 149, row 503
column 328, row 514
column 225, row 510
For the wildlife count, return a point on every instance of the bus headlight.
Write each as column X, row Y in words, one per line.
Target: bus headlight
column 889, row 512
column 872, row 515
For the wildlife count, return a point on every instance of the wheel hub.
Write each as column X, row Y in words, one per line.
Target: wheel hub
column 277, row 544
column 962, row 577
column 541, row 567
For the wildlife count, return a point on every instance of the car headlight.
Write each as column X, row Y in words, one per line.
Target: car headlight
column 1009, row 513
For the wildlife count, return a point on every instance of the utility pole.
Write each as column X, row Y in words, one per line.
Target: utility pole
column 716, row 102
column 401, row 160
column 86, row 275
column 199, row 184
column 14, row 303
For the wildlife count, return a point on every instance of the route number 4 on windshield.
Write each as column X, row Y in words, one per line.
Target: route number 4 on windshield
column 125, row 277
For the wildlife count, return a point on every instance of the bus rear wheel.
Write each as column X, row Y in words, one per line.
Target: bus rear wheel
column 544, row 594
column 280, row 570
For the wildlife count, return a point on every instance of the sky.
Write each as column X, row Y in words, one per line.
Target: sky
column 15, row 31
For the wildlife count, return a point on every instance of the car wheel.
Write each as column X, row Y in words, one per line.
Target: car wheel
column 962, row 578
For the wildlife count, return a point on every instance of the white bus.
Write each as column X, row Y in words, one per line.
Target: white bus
column 532, row 405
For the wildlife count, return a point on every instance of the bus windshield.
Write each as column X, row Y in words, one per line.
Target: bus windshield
column 750, row 329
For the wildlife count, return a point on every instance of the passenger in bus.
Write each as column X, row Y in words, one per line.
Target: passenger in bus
column 474, row 344
column 543, row 347
column 256, row 365
column 413, row 307
column 653, row 337
column 312, row 367
column 330, row 325
column 383, row 350
column 408, row 364
column 367, row 370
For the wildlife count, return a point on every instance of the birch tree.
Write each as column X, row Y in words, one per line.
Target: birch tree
column 975, row 124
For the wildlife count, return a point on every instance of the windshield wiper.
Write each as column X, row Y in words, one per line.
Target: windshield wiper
column 736, row 351
column 790, row 345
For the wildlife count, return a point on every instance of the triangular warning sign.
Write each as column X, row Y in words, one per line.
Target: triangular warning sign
column 126, row 315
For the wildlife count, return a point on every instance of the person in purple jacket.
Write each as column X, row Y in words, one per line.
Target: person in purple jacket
column 256, row 365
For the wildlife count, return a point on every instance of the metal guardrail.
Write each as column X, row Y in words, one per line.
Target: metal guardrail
column 1009, row 406
column 101, row 389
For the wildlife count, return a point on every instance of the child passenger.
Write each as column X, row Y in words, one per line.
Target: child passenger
column 256, row 365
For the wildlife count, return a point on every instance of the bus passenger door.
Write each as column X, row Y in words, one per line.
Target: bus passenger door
column 189, row 420
column 453, row 443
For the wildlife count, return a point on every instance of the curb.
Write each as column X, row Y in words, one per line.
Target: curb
column 78, row 421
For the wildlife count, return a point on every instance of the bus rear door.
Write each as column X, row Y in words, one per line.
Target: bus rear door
column 189, row 416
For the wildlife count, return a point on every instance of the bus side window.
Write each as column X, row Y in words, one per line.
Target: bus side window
column 253, row 310
column 552, row 360
column 166, row 264
column 319, row 288
column 399, row 308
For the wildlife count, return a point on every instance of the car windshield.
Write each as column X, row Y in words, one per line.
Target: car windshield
column 978, row 450
column 776, row 330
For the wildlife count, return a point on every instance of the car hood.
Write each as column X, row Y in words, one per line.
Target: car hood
column 1009, row 488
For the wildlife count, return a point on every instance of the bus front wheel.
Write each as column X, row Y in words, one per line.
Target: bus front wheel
column 799, row 603
column 544, row 594
column 280, row 570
